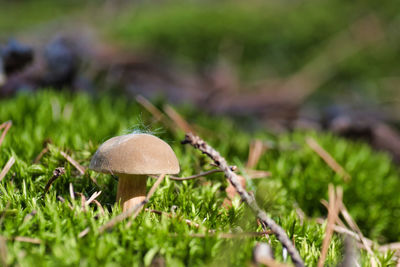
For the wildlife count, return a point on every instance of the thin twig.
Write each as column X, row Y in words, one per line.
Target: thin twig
column 134, row 211
column 335, row 200
column 84, row 232
column 7, row 167
column 74, row 163
column 332, row 163
column 280, row 233
column 233, row 168
column 7, row 125
column 56, row 173
column 194, row 176
column 178, row 119
column 93, row 197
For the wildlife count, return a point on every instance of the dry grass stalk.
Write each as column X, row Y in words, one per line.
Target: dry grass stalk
column 84, row 232
column 92, row 198
column 178, row 119
column 71, row 191
column 339, row 222
column 5, row 127
column 335, row 166
column 335, row 200
column 27, row 240
column 56, row 173
column 99, row 206
column 256, row 150
column 257, row 174
column 248, row 198
column 157, row 114
column 41, row 154
column 74, row 163
column 7, row 168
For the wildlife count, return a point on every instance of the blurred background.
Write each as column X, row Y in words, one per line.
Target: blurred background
column 330, row 65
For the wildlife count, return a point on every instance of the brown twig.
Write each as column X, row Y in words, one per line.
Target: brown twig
column 74, row 163
column 178, row 119
column 280, row 234
column 335, row 200
column 194, row 176
column 7, row 167
column 335, row 166
column 6, row 126
column 56, row 173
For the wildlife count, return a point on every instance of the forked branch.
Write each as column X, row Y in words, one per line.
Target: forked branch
column 280, row 234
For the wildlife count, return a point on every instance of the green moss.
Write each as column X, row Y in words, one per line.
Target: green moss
column 78, row 124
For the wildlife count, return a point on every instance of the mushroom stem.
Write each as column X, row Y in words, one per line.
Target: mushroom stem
column 131, row 190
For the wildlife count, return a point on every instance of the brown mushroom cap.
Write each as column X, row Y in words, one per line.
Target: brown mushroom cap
column 135, row 154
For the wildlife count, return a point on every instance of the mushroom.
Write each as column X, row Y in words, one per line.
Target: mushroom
column 133, row 157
